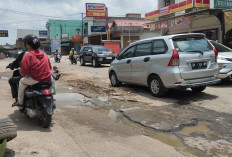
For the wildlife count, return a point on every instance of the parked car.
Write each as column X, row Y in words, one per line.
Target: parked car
column 224, row 60
column 173, row 61
column 96, row 54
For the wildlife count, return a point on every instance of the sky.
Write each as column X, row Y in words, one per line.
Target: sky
column 33, row 14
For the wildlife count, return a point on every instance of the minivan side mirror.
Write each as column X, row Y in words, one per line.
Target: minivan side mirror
column 118, row 57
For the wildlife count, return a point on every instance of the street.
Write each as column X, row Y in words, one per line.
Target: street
column 95, row 119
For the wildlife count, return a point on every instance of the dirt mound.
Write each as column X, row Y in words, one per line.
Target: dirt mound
column 90, row 87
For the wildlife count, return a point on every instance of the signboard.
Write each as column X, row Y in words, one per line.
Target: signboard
column 95, row 10
column 202, row 3
column 98, row 29
column 182, row 21
column 175, row 8
column 221, row 4
column 164, row 11
column 164, row 24
column 171, row 23
column 3, row 33
column 77, row 38
column 55, row 44
column 64, row 36
column 43, row 33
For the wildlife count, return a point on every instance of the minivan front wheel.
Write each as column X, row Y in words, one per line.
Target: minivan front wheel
column 156, row 87
column 114, row 80
column 198, row 89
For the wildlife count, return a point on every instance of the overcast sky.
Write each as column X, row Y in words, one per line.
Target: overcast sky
column 14, row 13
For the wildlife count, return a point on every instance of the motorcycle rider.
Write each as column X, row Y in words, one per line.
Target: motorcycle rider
column 72, row 52
column 57, row 52
column 35, row 67
column 14, row 81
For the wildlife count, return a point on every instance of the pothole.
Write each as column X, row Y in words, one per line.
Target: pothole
column 71, row 99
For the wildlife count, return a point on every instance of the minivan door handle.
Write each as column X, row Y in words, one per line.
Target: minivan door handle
column 146, row 59
column 128, row 61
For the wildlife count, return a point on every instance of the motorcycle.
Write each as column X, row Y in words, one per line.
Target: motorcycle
column 39, row 103
column 74, row 59
column 57, row 58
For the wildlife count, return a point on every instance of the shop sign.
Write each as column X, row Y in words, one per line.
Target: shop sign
column 98, row 29
column 3, row 33
column 95, row 10
column 64, row 36
column 77, row 38
column 157, row 26
column 43, row 33
column 152, row 27
column 171, row 9
column 55, row 44
column 171, row 23
column 221, row 4
column 164, row 11
column 164, row 24
column 182, row 21
column 202, row 3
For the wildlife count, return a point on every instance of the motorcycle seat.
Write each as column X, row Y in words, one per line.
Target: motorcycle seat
column 43, row 84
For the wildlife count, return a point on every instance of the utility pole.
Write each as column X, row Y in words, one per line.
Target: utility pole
column 82, row 29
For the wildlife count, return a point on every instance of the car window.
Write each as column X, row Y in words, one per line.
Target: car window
column 86, row 49
column 128, row 53
column 100, row 49
column 186, row 44
column 159, row 46
column 220, row 47
column 143, row 50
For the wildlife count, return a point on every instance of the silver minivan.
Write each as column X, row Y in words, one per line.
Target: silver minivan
column 172, row 61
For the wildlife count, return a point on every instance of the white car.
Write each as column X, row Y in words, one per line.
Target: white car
column 224, row 60
column 173, row 61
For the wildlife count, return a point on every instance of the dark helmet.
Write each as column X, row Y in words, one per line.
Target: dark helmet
column 32, row 40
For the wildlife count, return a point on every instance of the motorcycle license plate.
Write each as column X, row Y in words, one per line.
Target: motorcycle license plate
column 58, row 56
column 75, row 56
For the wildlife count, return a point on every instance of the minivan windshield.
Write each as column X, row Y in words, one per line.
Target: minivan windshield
column 100, row 49
column 192, row 44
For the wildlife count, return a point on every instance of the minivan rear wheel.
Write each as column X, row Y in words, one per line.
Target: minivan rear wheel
column 156, row 87
column 114, row 80
column 198, row 89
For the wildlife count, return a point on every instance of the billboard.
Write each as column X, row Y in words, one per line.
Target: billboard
column 77, row 38
column 95, row 10
column 221, row 4
column 98, row 28
column 55, row 44
column 3, row 33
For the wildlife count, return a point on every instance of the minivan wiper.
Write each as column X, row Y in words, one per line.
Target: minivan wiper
column 196, row 51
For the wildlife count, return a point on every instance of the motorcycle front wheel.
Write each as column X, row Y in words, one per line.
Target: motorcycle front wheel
column 45, row 119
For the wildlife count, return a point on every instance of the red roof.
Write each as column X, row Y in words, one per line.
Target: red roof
column 121, row 23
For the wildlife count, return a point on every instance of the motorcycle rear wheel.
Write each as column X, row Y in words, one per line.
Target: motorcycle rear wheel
column 45, row 119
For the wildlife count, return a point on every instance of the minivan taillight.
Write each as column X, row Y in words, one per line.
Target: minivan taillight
column 216, row 54
column 174, row 61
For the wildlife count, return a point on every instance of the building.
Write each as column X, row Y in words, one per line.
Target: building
column 41, row 34
column 191, row 16
column 126, row 29
column 64, row 34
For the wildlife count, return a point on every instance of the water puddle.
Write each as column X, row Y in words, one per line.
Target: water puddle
column 71, row 99
column 4, row 78
column 104, row 99
column 113, row 115
column 202, row 128
column 63, row 90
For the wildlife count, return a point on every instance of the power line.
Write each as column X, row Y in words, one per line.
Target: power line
column 27, row 13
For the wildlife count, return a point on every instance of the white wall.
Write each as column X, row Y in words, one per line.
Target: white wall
column 21, row 33
column 145, row 35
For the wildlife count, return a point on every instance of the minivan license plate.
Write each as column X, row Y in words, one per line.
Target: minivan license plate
column 199, row 65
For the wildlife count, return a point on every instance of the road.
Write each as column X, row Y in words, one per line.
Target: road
column 126, row 121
